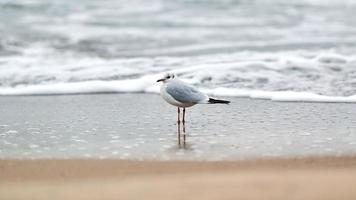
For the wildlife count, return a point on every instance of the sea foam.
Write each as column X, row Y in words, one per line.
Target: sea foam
column 147, row 85
column 322, row 76
column 283, row 52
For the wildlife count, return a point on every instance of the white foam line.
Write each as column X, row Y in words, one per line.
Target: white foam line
column 281, row 95
column 128, row 86
column 147, row 84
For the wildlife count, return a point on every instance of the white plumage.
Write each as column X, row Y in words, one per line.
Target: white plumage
column 183, row 95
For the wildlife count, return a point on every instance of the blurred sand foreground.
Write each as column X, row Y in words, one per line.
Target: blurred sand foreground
column 308, row 178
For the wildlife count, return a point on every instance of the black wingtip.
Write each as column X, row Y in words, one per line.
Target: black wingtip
column 211, row 100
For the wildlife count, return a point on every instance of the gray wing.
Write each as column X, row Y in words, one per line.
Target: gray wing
column 184, row 93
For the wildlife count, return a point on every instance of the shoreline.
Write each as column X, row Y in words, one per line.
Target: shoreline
column 110, row 127
column 293, row 178
column 274, row 96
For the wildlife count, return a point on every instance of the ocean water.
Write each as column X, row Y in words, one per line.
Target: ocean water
column 297, row 50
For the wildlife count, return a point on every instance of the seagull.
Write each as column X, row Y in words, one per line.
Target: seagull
column 183, row 95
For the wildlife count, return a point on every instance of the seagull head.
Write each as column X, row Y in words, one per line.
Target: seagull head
column 168, row 76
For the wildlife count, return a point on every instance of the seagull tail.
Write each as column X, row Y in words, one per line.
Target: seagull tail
column 211, row 100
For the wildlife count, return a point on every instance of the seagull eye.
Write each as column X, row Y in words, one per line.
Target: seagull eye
column 168, row 77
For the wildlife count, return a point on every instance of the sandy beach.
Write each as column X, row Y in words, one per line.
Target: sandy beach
column 81, row 116
column 102, row 147
column 307, row 178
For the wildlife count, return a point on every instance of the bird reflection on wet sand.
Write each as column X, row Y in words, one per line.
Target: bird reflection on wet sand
column 181, row 135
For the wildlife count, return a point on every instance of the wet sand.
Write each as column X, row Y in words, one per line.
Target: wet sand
column 307, row 178
column 143, row 126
